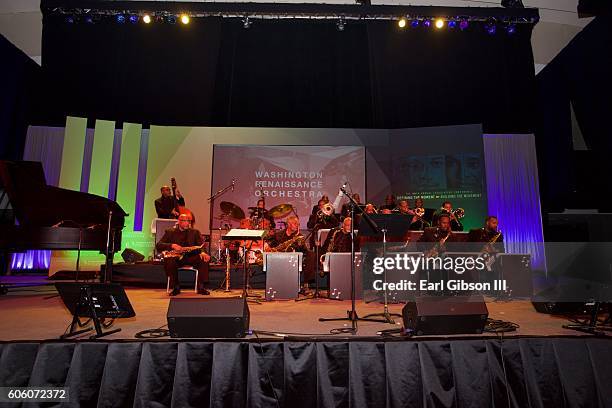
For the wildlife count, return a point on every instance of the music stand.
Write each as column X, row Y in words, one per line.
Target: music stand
column 393, row 225
column 95, row 301
column 237, row 234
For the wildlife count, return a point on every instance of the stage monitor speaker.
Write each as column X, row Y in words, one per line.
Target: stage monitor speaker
column 131, row 256
column 208, row 318
column 445, row 315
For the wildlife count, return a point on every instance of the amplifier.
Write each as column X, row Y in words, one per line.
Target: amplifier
column 445, row 315
column 208, row 318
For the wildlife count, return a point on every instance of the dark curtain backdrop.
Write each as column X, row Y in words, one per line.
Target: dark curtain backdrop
column 579, row 76
column 529, row 372
column 293, row 73
column 19, row 76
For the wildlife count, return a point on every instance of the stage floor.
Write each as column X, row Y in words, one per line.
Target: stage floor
column 30, row 315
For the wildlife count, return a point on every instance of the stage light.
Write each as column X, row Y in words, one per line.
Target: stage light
column 146, row 19
column 511, row 28
column 340, row 24
column 463, row 25
column 184, row 19
column 171, row 19
column 452, row 24
column 415, row 23
column 246, row 23
column 70, row 19
column 120, row 18
column 427, row 23
column 439, row 23
column 491, row 28
column 133, row 18
column 88, row 19
column 401, row 23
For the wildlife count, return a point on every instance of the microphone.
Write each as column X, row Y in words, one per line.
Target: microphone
column 233, row 184
column 345, row 184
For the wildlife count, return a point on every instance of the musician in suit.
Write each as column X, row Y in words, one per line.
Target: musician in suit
column 339, row 239
column 324, row 218
column 447, row 208
column 435, row 239
column 292, row 231
column 488, row 238
column 166, row 206
column 177, row 239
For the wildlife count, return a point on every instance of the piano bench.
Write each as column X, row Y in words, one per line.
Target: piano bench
column 184, row 268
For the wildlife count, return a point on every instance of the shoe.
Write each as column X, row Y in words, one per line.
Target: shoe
column 203, row 291
column 175, row 291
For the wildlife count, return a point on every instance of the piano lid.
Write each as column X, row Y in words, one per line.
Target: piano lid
column 35, row 203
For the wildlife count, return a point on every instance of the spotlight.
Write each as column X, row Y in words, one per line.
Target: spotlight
column 88, row 19
column 463, row 25
column 439, row 23
column 246, row 23
column 184, row 19
column 340, row 24
column 452, row 24
column 427, row 23
column 133, row 18
column 171, row 19
column 415, row 23
column 511, row 28
column 401, row 23
column 146, row 19
column 120, row 18
column 69, row 19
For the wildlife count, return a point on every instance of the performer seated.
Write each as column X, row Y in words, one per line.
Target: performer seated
column 279, row 242
column 487, row 239
column 166, row 206
column 370, row 209
column 389, row 204
column 435, row 239
column 339, row 239
column 316, row 208
column 346, row 209
column 419, row 219
column 322, row 219
column 177, row 239
column 403, row 208
column 263, row 220
column 447, row 208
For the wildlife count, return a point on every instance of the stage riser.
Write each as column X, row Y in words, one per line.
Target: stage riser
column 542, row 372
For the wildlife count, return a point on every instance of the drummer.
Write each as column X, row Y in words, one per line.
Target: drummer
column 261, row 213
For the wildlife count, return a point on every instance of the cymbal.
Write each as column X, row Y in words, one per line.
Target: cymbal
column 281, row 210
column 232, row 210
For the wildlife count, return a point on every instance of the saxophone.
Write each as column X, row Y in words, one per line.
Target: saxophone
column 284, row 246
column 490, row 251
column 330, row 248
column 435, row 251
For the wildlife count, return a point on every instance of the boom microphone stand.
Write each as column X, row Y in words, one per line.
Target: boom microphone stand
column 352, row 314
column 211, row 200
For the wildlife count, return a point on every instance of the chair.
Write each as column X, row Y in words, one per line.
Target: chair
column 178, row 276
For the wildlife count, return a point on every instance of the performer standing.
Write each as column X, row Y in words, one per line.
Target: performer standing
column 166, row 206
column 178, row 240
column 324, row 218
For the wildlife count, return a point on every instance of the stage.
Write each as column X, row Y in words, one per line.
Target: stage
column 29, row 315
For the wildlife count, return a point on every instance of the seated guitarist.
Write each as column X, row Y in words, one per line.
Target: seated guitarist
column 177, row 239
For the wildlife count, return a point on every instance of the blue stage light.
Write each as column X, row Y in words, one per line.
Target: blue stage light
column 427, row 23
column 452, row 24
column 511, row 29
column 69, row 19
column 491, row 28
column 133, row 18
column 171, row 19
column 415, row 23
column 88, row 19
column 120, row 18
column 463, row 25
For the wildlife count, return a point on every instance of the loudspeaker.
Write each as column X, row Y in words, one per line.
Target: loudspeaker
column 445, row 315
column 131, row 256
column 208, row 318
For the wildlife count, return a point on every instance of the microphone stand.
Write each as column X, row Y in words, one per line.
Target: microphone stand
column 352, row 314
column 211, row 200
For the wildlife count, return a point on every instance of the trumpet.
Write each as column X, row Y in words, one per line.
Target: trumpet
column 327, row 210
column 419, row 212
column 459, row 213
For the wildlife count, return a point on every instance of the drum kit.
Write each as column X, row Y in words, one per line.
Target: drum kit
column 259, row 218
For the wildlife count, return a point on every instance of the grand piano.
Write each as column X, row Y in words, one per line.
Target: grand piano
column 54, row 218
